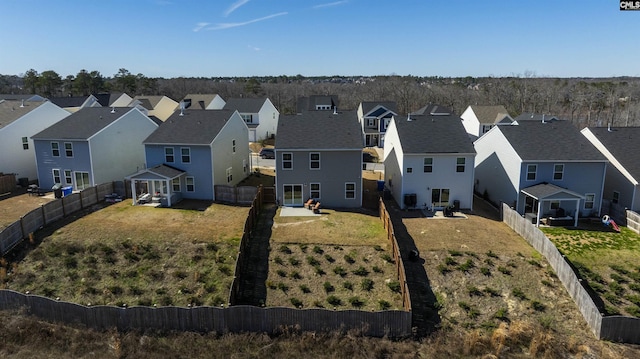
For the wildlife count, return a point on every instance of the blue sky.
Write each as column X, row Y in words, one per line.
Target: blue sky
column 171, row 38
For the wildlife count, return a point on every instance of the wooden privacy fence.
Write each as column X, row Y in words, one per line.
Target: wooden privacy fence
column 7, row 182
column 50, row 212
column 232, row 194
column 395, row 250
column 236, row 319
column 614, row 328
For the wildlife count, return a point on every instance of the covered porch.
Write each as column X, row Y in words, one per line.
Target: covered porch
column 544, row 203
column 159, row 185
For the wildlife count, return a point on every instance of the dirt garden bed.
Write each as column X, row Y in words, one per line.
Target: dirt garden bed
column 133, row 255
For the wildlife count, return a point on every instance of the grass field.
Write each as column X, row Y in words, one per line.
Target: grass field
column 134, row 255
column 609, row 261
column 15, row 205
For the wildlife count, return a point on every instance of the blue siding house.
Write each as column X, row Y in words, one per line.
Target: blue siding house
column 543, row 169
column 190, row 153
column 92, row 146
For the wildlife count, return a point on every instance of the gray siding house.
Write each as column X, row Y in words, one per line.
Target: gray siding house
column 319, row 155
column 540, row 168
column 92, row 146
column 621, row 146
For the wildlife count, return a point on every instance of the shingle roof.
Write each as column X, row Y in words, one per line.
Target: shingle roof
column 367, row 106
column 433, row 134
column 310, row 103
column 544, row 190
column 550, row 141
column 528, row 116
column 199, row 101
column 319, row 130
column 11, row 110
column 489, row 114
column 245, row 105
column 432, row 109
column 151, row 101
column 166, row 171
column 624, row 145
column 197, row 127
column 69, row 101
column 82, row 124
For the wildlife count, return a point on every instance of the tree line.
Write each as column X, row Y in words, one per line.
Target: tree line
column 584, row 101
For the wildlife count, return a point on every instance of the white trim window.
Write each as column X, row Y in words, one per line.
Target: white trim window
column 558, row 172
column 185, row 154
column 427, row 165
column 25, row 143
column 531, row 172
column 589, row 200
column 314, row 190
column 460, row 164
column 55, row 149
column 169, row 156
column 175, row 184
column 409, row 169
column 190, row 183
column 68, row 178
column 314, row 160
column 350, row 190
column 229, row 174
column 68, row 149
column 371, row 122
column 56, row 176
column 287, row 161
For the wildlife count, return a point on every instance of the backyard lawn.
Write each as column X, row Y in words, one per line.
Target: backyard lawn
column 608, row 260
column 337, row 260
column 12, row 207
column 133, row 255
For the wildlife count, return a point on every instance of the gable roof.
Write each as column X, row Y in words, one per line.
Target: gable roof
column 368, row 106
column 196, row 127
column 624, row 144
column 432, row 109
column 83, row 124
column 198, row 101
column 106, row 99
column 245, row 105
column 433, row 134
column 543, row 191
column 490, row 114
column 549, row 141
column 11, row 110
column 320, row 130
column 29, row 97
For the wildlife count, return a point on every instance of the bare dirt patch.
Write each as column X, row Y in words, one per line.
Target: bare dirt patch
column 13, row 206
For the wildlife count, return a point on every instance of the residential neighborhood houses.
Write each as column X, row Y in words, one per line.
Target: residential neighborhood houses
column 432, row 159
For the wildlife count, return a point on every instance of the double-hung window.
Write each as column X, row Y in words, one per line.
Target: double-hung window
column 185, row 153
column 25, row 143
column 190, row 182
column 175, row 184
column 55, row 149
column 229, row 174
column 531, row 172
column 558, row 172
column 68, row 177
column 56, row 176
column 287, row 161
column 314, row 190
column 68, row 149
column 350, row 190
column 168, row 155
column 428, row 165
column 460, row 164
column 314, row 160
column 589, row 200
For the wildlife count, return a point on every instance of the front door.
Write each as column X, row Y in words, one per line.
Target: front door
column 292, row 195
column 440, row 197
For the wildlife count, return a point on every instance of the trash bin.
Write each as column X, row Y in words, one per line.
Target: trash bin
column 66, row 191
column 380, row 186
column 57, row 190
column 456, row 205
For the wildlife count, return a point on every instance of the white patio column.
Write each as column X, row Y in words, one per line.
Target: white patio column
column 168, row 194
column 133, row 191
column 575, row 219
column 538, row 214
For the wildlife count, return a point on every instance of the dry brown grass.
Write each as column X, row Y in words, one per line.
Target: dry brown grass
column 135, row 255
column 13, row 207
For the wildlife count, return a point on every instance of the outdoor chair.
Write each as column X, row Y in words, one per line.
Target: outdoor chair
column 316, row 208
column 309, row 203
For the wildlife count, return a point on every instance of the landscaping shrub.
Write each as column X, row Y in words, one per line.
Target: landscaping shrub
column 340, row 271
column 348, row 285
column 518, row 293
column 394, row 285
column 333, row 300
column 356, row 302
column 328, row 287
column 361, row 271
column 296, row 302
column 317, row 250
column 383, row 304
column 367, row 284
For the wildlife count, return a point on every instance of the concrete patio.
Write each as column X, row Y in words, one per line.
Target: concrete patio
column 297, row 212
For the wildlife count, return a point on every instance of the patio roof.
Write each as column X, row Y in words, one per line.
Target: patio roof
column 548, row 191
column 160, row 172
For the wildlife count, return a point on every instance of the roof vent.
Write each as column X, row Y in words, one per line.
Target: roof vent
column 22, row 104
column 113, row 109
column 335, row 110
column 543, row 118
column 609, row 127
column 182, row 112
column 409, row 117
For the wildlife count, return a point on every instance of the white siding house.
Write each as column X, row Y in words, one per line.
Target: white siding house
column 19, row 120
